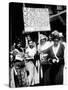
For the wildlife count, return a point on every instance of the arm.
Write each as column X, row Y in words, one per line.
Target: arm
column 46, row 51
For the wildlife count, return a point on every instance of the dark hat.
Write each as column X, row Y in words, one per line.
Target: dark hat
column 55, row 35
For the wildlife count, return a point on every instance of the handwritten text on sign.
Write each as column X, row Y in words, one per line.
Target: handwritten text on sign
column 36, row 19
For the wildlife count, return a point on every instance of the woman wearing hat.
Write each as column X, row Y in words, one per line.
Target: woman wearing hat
column 56, row 58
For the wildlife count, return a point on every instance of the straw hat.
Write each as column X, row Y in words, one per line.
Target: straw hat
column 55, row 32
column 43, row 37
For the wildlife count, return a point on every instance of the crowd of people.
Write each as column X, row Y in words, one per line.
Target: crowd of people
column 37, row 63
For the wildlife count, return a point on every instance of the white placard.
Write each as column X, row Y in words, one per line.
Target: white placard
column 36, row 19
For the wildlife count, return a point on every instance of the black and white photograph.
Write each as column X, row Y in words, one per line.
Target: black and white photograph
column 37, row 44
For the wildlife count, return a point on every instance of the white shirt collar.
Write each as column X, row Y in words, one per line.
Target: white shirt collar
column 55, row 49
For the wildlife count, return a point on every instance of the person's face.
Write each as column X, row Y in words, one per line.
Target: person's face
column 31, row 44
column 56, row 41
column 43, row 41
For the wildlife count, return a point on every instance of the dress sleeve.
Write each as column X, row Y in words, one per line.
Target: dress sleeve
column 46, row 51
